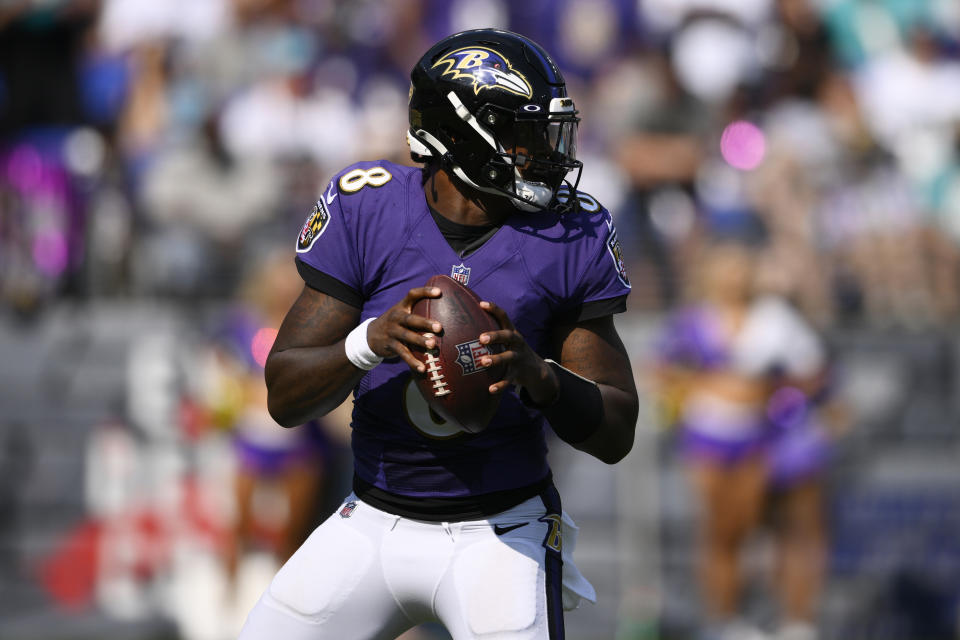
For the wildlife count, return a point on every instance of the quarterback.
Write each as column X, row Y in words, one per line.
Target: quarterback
column 444, row 525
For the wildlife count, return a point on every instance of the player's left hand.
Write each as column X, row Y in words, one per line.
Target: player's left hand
column 523, row 366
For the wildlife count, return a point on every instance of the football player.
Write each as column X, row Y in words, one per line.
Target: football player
column 442, row 525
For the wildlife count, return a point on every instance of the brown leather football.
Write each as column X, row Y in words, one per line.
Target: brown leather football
column 455, row 385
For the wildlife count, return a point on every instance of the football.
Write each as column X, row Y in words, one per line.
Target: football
column 454, row 385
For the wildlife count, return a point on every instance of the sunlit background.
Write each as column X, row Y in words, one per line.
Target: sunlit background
column 158, row 158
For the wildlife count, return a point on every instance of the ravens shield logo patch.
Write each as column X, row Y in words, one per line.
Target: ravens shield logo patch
column 315, row 225
column 616, row 252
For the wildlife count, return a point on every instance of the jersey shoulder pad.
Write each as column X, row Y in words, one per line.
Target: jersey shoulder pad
column 596, row 223
column 370, row 178
column 379, row 185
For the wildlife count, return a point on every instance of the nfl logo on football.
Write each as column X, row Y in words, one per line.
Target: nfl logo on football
column 469, row 356
column 460, row 273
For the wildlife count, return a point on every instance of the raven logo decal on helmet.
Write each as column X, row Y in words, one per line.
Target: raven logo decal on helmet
column 484, row 68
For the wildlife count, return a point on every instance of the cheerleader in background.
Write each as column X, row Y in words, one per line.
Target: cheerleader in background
column 742, row 371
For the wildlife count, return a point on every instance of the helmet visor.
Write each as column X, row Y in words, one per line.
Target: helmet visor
column 562, row 138
column 554, row 140
column 545, row 150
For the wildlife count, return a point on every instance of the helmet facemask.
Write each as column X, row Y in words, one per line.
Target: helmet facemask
column 535, row 151
column 530, row 150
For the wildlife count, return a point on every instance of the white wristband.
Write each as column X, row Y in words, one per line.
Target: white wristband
column 358, row 349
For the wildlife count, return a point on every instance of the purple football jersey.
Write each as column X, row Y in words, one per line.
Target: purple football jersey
column 373, row 232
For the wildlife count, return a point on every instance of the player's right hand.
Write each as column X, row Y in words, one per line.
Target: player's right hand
column 390, row 335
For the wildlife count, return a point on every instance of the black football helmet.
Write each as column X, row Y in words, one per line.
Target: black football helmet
column 492, row 107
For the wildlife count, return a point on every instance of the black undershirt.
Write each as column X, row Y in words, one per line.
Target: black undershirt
column 463, row 238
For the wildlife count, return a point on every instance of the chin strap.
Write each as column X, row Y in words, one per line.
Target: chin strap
column 535, row 196
column 464, row 114
column 566, row 204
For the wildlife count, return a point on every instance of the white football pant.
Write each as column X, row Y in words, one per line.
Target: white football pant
column 365, row 574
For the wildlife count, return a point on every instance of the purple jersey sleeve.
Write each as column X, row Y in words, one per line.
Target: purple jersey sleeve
column 595, row 282
column 327, row 239
column 603, row 274
column 576, row 261
column 340, row 249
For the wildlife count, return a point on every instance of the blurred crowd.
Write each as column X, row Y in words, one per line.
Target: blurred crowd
column 153, row 149
column 170, row 150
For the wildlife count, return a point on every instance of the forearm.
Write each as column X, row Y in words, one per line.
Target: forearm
column 613, row 439
column 596, row 405
column 307, row 382
column 596, row 418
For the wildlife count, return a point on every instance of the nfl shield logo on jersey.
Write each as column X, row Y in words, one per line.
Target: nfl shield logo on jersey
column 460, row 273
column 348, row 509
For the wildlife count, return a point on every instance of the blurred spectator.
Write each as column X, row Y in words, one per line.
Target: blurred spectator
column 739, row 372
column 126, row 24
column 660, row 157
column 290, row 463
column 206, row 199
column 794, row 48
